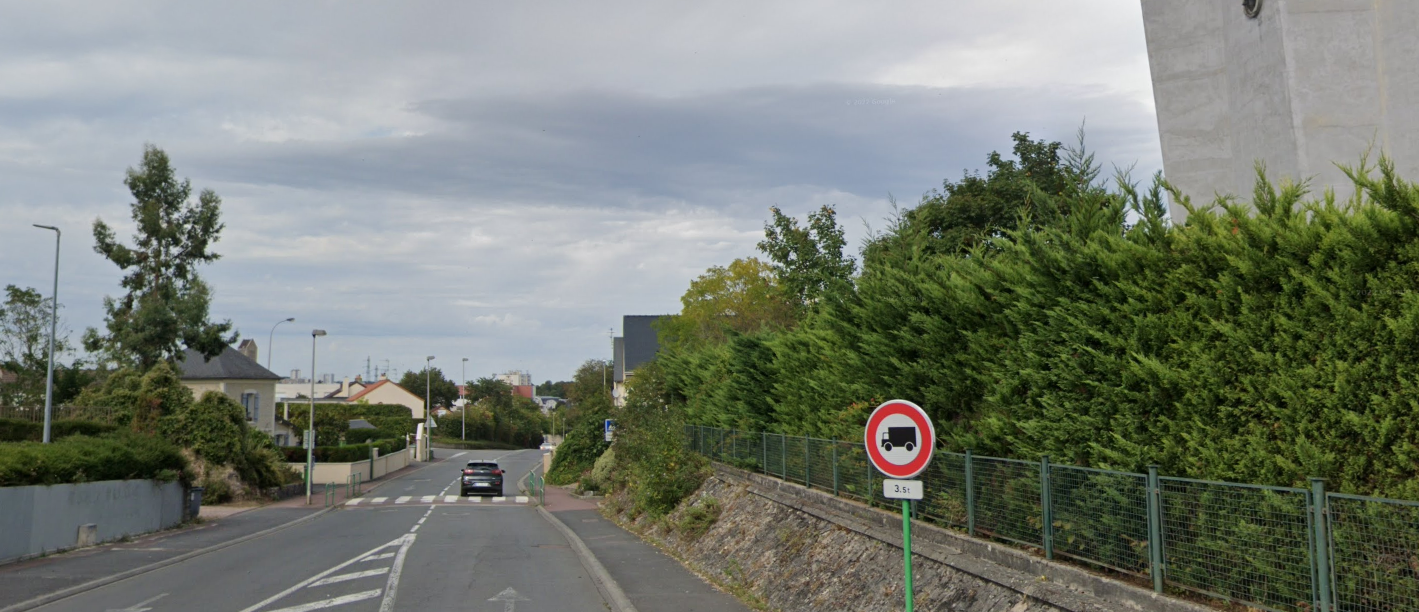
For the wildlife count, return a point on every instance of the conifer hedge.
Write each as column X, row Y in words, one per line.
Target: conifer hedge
column 1259, row 342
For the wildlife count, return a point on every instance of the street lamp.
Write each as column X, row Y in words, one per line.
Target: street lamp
column 428, row 384
column 310, row 425
column 53, row 323
column 463, row 395
column 270, row 340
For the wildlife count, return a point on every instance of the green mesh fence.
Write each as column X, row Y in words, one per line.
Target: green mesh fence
column 944, row 501
column 1249, row 544
column 1375, row 553
column 1101, row 517
column 1242, row 542
column 1008, row 500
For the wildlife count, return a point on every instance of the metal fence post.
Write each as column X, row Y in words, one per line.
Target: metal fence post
column 1320, row 554
column 835, row 468
column 807, row 462
column 764, row 450
column 1046, row 512
column 783, row 446
column 1155, row 529
column 970, row 494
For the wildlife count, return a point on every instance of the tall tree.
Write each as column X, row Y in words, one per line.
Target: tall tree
column 743, row 297
column 166, row 305
column 808, row 259
column 24, row 345
column 442, row 391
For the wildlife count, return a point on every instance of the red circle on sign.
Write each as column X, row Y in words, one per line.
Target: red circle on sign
column 923, row 425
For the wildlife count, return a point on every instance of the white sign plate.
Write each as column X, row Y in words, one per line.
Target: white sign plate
column 902, row 489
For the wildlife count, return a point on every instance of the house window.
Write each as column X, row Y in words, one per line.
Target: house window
column 251, row 401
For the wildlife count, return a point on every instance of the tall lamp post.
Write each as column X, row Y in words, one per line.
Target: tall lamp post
column 463, row 395
column 53, row 323
column 310, row 425
column 428, row 405
column 271, row 339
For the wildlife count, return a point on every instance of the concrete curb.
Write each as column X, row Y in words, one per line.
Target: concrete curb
column 604, row 582
column 65, row 593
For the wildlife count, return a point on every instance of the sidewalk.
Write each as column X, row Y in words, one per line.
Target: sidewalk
column 654, row 581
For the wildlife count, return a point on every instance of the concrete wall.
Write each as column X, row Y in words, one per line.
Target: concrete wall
column 43, row 519
column 339, row 473
column 1307, row 84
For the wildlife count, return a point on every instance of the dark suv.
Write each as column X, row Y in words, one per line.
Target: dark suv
column 481, row 478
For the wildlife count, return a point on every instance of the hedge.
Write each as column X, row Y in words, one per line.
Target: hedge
column 22, row 430
column 345, row 454
column 474, row 444
column 114, row 456
column 361, row 436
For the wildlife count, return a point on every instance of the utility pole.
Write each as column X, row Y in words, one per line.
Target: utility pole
column 53, row 324
column 463, row 395
column 310, row 425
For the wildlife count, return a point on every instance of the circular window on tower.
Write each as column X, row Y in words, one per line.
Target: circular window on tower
column 1252, row 8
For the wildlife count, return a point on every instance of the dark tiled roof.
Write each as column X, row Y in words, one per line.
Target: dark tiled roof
column 618, row 350
column 229, row 365
column 641, row 343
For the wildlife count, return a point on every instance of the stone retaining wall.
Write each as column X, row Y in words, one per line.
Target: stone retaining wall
column 799, row 549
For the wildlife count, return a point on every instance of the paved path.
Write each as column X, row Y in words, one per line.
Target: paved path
column 654, row 581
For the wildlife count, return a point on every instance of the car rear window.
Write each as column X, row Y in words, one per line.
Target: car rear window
column 482, row 467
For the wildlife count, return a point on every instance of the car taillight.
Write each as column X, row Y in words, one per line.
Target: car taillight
column 467, row 472
column 497, row 472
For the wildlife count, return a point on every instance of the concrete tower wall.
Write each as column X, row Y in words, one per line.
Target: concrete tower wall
column 1306, row 84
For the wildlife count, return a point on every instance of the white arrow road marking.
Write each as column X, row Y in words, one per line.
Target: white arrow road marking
column 391, row 588
column 509, row 598
column 332, row 602
column 350, row 576
column 403, row 542
column 138, row 607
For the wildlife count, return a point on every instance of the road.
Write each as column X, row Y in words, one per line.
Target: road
column 407, row 552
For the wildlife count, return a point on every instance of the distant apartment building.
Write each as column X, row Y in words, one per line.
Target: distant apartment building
column 516, row 378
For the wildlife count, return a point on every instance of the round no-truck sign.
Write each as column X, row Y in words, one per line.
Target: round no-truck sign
column 900, row 439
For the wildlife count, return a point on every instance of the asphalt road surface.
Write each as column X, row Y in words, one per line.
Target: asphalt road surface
column 422, row 554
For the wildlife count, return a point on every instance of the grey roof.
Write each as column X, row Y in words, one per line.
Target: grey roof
column 229, row 365
column 641, row 343
column 361, row 424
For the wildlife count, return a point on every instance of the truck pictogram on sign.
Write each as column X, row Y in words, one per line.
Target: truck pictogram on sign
column 904, row 437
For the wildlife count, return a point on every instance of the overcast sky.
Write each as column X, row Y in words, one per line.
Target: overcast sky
column 504, row 181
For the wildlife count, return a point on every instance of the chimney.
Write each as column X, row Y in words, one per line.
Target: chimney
column 248, row 348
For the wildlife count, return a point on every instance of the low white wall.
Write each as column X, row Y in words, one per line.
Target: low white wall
column 41, row 519
column 339, row 473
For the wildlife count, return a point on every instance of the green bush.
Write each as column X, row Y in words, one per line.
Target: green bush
column 20, row 430
column 344, row 454
column 474, row 444
column 114, row 456
column 215, row 491
column 698, row 518
column 361, row 436
column 584, row 443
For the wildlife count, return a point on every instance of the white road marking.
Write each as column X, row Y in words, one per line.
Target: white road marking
column 449, row 499
column 427, row 499
column 379, row 500
column 458, row 455
column 421, row 521
column 509, row 598
column 521, row 499
column 138, row 607
column 330, row 603
column 378, row 557
column 415, row 529
column 403, row 541
column 355, row 502
column 350, row 576
column 392, row 587
column 476, row 500
column 499, row 499
column 403, row 500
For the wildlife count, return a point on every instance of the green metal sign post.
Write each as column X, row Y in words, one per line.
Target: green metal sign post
column 900, row 439
column 907, row 548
